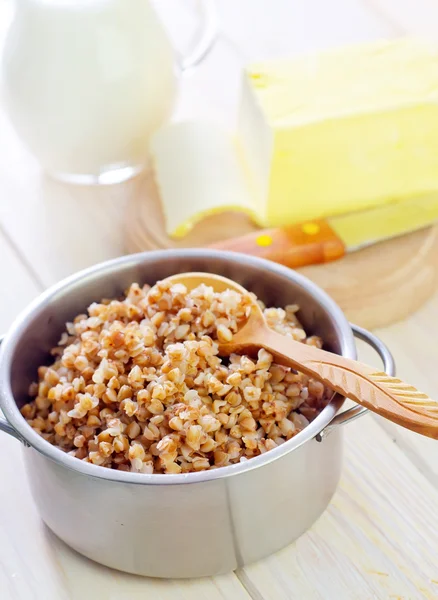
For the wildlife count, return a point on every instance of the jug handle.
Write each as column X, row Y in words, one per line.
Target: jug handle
column 207, row 36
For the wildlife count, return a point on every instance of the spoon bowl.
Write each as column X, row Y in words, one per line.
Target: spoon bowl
column 255, row 326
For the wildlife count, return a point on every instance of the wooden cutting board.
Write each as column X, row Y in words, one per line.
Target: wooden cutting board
column 375, row 286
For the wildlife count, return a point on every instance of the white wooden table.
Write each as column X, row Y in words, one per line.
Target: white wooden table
column 379, row 537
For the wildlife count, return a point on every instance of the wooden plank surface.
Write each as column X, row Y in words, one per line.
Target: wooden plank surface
column 19, row 285
column 373, row 540
column 378, row 538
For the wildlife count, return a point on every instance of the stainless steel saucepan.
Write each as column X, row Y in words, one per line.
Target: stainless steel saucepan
column 194, row 524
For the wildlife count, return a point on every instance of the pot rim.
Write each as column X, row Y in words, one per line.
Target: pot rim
column 32, row 439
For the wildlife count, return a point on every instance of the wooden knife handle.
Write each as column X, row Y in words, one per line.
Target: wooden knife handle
column 293, row 246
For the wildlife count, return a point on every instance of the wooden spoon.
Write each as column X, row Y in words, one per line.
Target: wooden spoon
column 387, row 396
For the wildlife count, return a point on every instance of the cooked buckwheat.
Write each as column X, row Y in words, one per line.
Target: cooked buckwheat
column 137, row 384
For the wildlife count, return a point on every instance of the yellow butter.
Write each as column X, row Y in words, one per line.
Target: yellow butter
column 341, row 131
column 200, row 171
column 317, row 136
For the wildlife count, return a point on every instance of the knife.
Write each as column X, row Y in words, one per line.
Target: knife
column 329, row 239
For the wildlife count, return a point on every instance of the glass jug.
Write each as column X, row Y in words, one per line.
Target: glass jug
column 86, row 83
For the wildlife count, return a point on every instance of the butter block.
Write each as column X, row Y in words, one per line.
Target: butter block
column 341, row 131
column 200, row 171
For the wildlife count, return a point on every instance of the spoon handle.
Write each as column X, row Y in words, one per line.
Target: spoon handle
column 387, row 396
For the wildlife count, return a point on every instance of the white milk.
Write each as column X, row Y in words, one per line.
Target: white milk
column 86, row 83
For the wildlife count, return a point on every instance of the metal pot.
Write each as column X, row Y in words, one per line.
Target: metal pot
column 187, row 525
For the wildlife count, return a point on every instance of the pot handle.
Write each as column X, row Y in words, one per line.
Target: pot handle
column 4, row 425
column 389, row 366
